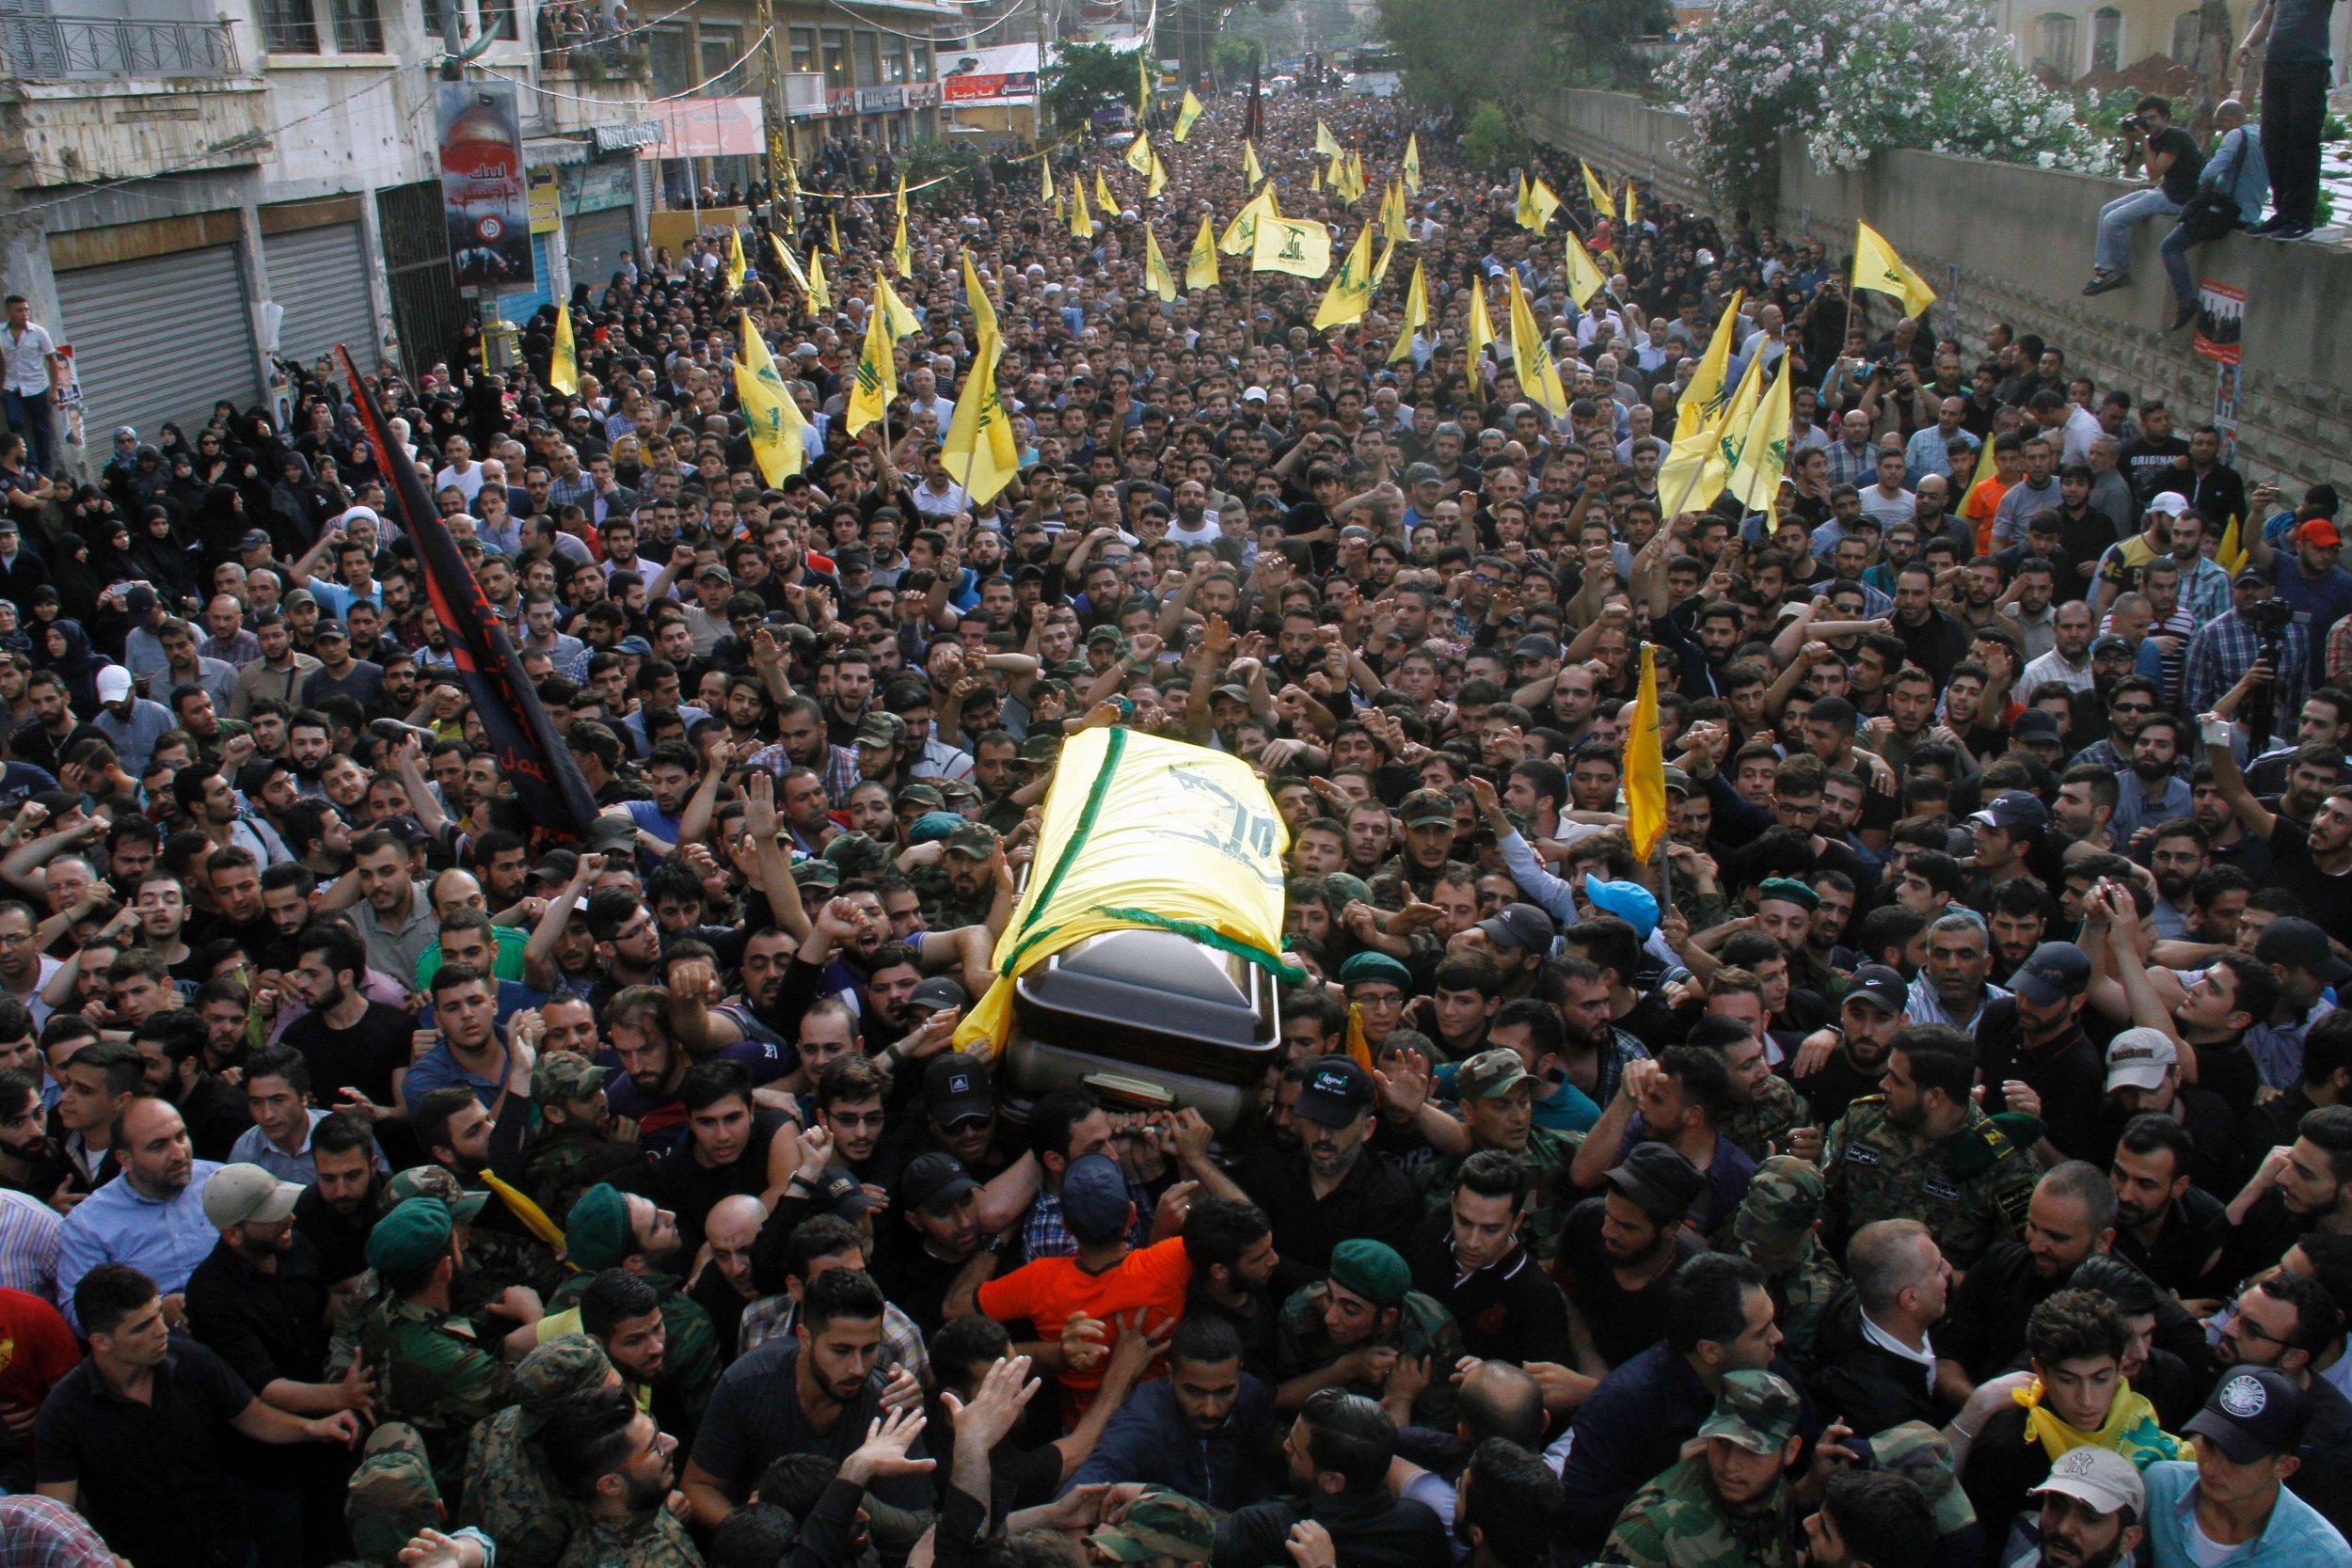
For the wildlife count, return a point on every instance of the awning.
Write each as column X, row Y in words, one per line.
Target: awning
column 625, row 135
column 546, row 151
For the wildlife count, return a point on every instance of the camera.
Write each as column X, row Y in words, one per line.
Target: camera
column 2134, row 123
column 2271, row 618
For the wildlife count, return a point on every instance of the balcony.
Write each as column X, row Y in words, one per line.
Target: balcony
column 70, row 48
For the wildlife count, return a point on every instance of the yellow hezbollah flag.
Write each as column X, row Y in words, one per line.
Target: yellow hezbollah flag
column 1201, row 266
column 1314, row 181
column 877, row 384
column 1412, row 163
column 1877, row 267
column 980, row 433
column 902, row 200
column 736, row 267
column 1539, row 379
column 833, row 232
column 564, row 364
column 1045, row 178
column 1694, row 417
column 1632, row 204
column 1724, row 434
column 1596, row 191
column 1763, row 454
column 1103, row 197
column 1186, row 114
column 1542, row 202
column 1585, row 275
column 1081, row 222
column 1242, row 233
column 1350, row 293
column 2230, row 555
column 1480, row 330
column 819, row 292
column 1140, row 153
column 1646, row 765
column 903, row 255
column 1250, row 168
column 1381, row 270
column 1416, row 314
column 1156, row 276
column 1299, row 246
column 1143, row 77
column 1326, row 144
column 1159, row 179
column 791, row 263
column 778, row 433
column 983, row 310
column 1140, row 833
column 897, row 318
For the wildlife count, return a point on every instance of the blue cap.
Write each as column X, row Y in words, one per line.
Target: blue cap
column 933, row 825
column 1094, row 1201
column 1628, row 901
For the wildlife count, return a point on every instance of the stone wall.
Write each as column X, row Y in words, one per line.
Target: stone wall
column 2001, row 241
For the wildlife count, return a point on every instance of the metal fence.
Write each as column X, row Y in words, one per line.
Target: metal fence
column 52, row 48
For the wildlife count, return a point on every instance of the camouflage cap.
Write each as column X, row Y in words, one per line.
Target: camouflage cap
column 566, row 1365
column 1160, row 1524
column 1920, row 1451
column 882, row 728
column 1755, row 1410
column 563, row 1075
column 956, row 790
column 815, row 873
column 923, row 795
column 431, row 1181
column 391, row 1497
column 1490, row 1073
column 1343, row 888
column 1426, row 808
column 976, row 839
column 1784, row 1200
column 1044, row 747
column 857, row 855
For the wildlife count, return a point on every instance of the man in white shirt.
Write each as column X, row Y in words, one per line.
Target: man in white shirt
column 461, row 471
column 24, row 380
column 1887, row 500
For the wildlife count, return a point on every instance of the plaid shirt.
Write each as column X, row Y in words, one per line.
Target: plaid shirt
column 1847, row 465
column 841, row 773
column 2205, row 592
column 42, row 1532
column 2225, row 649
column 2339, row 653
column 1043, row 1234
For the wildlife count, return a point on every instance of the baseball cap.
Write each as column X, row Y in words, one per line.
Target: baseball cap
column 1520, row 925
column 566, row 1365
column 2251, row 576
column 1095, row 1200
column 562, row 1075
column 1426, row 808
column 596, row 1233
column 1336, row 1093
column 2170, row 502
column 1881, row 987
column 254, row 539
column 329, row 626
column 879, row 728
column 415, row 1233
column 1160, row 1524
column 1372, row 1270
column 1659, row 1178
column 2141, row 1058
column 245, row 1194
column 1783, row 1201
column 936, row 994
column 435, row 1183
column 114, row 683
column 2100, row 1477
column 2298, row 943
column 2013, row 809
column 2052, row 973
column 1490, row 1073
column 2107, row 643
column 957, row 1087
column 934, row 1182
column 976, row 839
column 391, row 1495
column 924, row 795
column 2319, row 531
column 841, row 1194
column 2035, row 725
column 1755, row 1410
column 1537, row 645
column 2253, row 1413
column 1628, row 901
column 1677, row 782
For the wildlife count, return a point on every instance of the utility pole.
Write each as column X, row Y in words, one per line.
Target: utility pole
column 775, row 122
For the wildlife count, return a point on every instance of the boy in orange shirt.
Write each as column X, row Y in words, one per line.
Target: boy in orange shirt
column 1984, row 496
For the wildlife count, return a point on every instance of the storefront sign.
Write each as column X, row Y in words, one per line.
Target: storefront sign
column 547, row 215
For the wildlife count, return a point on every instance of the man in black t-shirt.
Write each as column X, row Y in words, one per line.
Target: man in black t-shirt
column 2173, row 163
column 356, row 1048
column 1618, row 1250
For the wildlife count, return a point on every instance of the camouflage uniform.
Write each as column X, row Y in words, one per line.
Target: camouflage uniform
column 565, row 1160
column 482, row 1271
column 1423, row 1327
column 1970, row 1187
column 1773, row 1229
column 434, row 1374
column 1762, row 1126
column 1396, row 877
column 1160, row 1524
column 510, row 1493
column 650, row 1540
column 689, row 1356
column 943, row 909
column 1546, row 1158
column 391, row 1496
column 1919, row 1450
column 1677, row 1521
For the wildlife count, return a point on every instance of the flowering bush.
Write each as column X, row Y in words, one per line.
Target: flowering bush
column 1855, row 77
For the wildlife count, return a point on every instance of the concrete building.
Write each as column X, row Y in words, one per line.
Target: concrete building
column 2073, row 39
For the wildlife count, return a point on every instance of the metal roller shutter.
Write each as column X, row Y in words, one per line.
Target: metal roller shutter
column 518, row 307
column 159, row 339
column 597, row 240
column 320, row 276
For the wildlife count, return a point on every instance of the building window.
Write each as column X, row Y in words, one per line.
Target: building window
column 721, row 68
column 670, row 74
column 893, row 60
column 288, row 27
column 2106, row 39
column 497, row 18
column 837, row 57
column 2054, row 38
column 868, row 61
column 922, row 62
column 359, row 27
column 2185, row 35
column 804, row 48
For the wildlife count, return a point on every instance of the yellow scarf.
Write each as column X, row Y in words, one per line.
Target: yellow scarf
column 2131, row 1428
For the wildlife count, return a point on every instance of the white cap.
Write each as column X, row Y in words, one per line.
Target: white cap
column 2141, row 1058
column 2170, row 502
column 243, row 1193
column 2100, row 1477
column 114, row 683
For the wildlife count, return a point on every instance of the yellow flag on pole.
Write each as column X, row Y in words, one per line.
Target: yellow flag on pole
column 1159, row 181
column 1725, row 435
column 1480, row 330
column 1156, row 276
column 1545, row 202
column 1103, row 197
column 1539, row 379
column 1646, row 765
column 1380, row 269
column 1416, row 314
column 1140, row 153
column 901, row 254
column 1299, row 246
column 1326, row 143
column 877, row 384
column 1045, row 178
column 819, row 292
column 778, row 433
column 1392, row 214
column 1596, row 191
column 1186, row 113
column 1314, row 181
column 2230, row 555
column 1251, row 170
column 1763, row 449
column 833, row 231
column 1201, row 266
column 1877, row 268
column 1584, row 274
column 1242, row 233
column 1081, row 221
column 790, row 262
column 563, row 363
column 901, row 202
column 1412, row 163
column 983, row 308
column 897, row 320
column 1350, row 294
column 736, row 267
column 1632, row 203
column 980, row 433
column 1696, row 411
column 1143, row 79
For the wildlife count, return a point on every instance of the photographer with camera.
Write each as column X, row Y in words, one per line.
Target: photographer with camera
column 2172, row 162
column 2258, row 638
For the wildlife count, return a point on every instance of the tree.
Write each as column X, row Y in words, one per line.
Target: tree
column 1231, row 57
column 1087, row 78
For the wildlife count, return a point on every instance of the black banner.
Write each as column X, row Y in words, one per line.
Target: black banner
column 546, row 781
column 1251, row 125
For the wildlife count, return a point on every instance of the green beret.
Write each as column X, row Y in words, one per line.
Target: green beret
column 1371, row 965
column 933, row 825
column 1372, row 1270
column 596, row 1233
column 1788, row 890
column 412, row 1235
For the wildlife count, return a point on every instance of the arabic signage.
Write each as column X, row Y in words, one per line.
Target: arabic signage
column 483, row 198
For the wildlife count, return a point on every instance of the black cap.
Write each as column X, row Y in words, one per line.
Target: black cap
column 2251, row 1413
column 957, row 1087
column 2034, row 724
column 938, row 993
column 1520, row 925
column 2294, row 944
column 840, row 1193
column 1659, row 1178
column 934, row 1181
column 1337, row 1093
column 1880, row 986
column 2052, row 973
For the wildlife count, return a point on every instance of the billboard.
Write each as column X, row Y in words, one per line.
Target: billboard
column 483, row 198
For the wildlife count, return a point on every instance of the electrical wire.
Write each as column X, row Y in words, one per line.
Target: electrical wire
column 740, row 60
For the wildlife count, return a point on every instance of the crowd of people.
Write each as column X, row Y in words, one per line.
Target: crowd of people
column 1940, row 1154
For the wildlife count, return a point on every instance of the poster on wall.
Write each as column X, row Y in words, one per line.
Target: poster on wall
column 546, row 205
column 2220, row 320
column 483, row 197
column 2225, row 393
